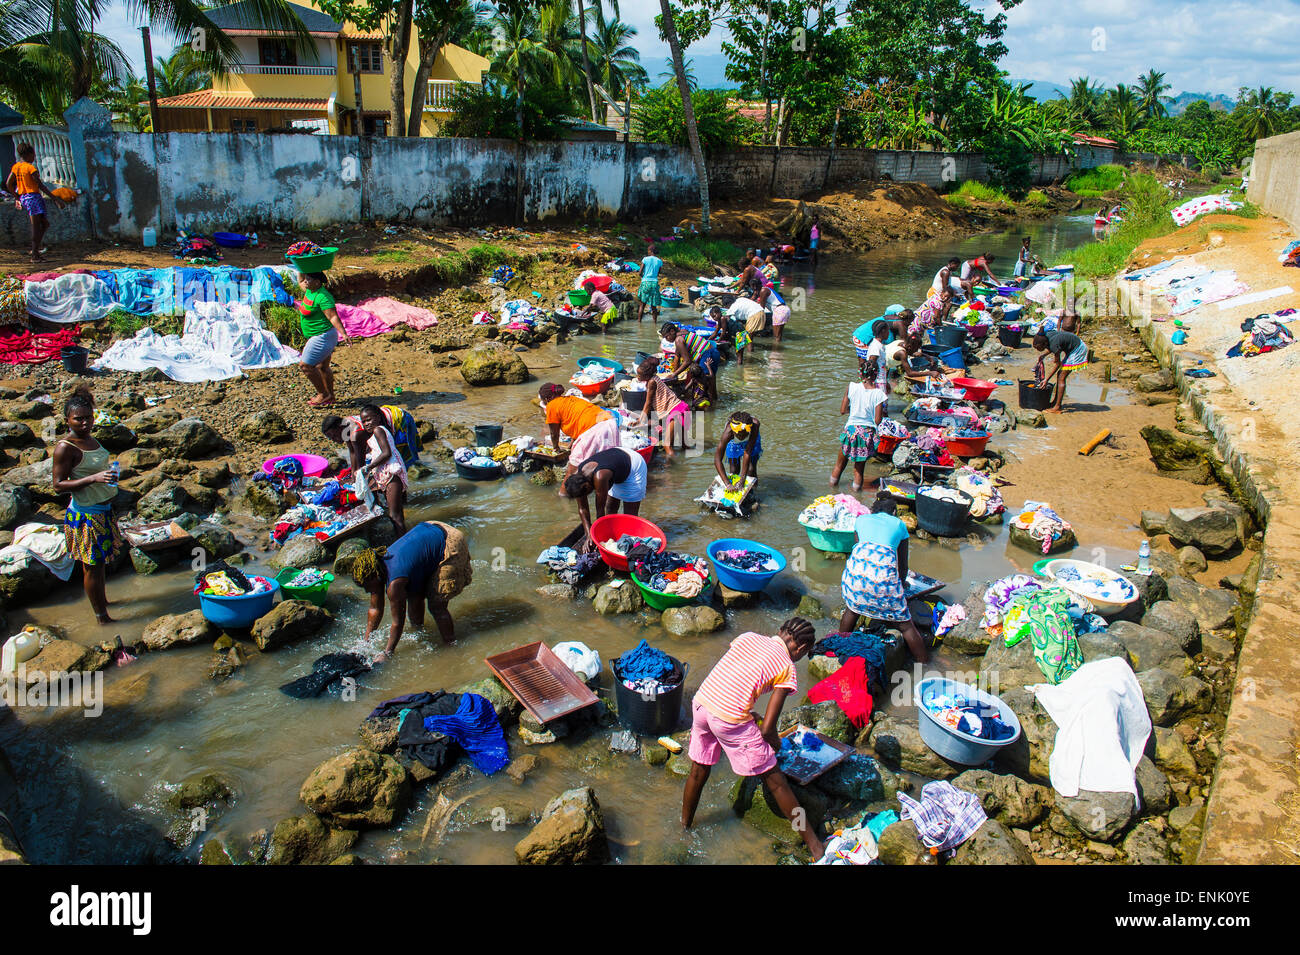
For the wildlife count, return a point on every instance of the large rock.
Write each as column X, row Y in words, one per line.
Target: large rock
column 37, row 477
column 1169, row 697
column 259, row 499
column 164, row 502
column 1212, row 530
column 1177, row 621
column 625, row 598
column 1178, row 455
column 301, row 552
column 190, row 438
column 900, row 844
column 346, row 555
column 1154, row 381
column 968, row 636
column 152, row 420
column 898, row 744
column 684, row 621
column 857, row 778
column 493, row 364
column 179, row 630
column 1028, row 756
column 304, row 840
column 15, row 434
column 264, row 427
column 1147, row 647
column 15, row 505
column 1102, row 817
column 1173, row 755
column 116, row 437
column 1008, row 667
column 1153, row 787
column 826, row 718
column 65, row 656
column 1010, row 800
column 751, row 801
column 288, row 621
column 1146, row 846
column 359, row 789
column 571, row 832
column 216, row 541
column 992, row 844
column 29, row 584
column 1213, row 609
column 140, row 459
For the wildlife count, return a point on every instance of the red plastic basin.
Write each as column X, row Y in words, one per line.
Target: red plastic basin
column 967, row 447
column 615, row 526
column 976, row 389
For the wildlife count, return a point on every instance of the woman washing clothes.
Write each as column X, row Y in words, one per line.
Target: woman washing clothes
column 770, row 298
column 864, row 402
column 384, row 469
column 742, row 446
column 601, row 308
column 429, row 563
column 592, row 428
column 691, row 348
column 80, row 466
column 617, row 475
column 751, row 314
column 873, row 582
column 324, row 331
column 347, row 432
column 917, row 366
column 1069, row 352
column 664, row 410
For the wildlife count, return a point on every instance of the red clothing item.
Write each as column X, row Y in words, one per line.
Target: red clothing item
column 847, row 686
column 18, row 346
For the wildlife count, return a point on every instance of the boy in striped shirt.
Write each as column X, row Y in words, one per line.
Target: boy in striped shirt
column 722, row 719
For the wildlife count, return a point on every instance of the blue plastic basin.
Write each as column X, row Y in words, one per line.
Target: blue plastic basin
column 239, row 611
column 951, row 744
column 596, row 360
column 743, row 580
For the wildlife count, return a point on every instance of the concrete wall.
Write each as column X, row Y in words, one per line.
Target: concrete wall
column 1275, row 177
column 245, row 181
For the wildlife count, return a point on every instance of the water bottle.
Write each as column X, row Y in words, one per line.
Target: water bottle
column 1144, row 558
column 252, row 241
column 114, row 470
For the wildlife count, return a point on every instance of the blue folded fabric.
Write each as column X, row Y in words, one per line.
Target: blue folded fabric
column 644, row 662
column 476, row 728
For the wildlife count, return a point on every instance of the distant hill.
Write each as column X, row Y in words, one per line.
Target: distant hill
column 1041, row 90
column 1216, row 101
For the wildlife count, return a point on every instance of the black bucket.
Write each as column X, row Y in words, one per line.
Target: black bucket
column 942, row 518
column 488, row 435
column 950, row 336
column 656, row 716
column 693, row 294
column 1011, row 337
column 1035, row 399
column 74, row 359
column 634, row 400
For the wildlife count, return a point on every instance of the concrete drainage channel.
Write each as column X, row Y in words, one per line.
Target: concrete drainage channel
column 1253, row 812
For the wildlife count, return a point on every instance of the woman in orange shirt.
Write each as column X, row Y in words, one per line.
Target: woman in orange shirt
column 25, row 182
column 592, row 428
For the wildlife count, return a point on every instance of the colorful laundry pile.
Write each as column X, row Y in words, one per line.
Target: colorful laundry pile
column 649, row 671
column 592, row 375
column 1188, row 294
column 230, row 583
column 19, row 346
column 568, row 566
column 727, row 500
column 971, row 717
column 750, row 561
column 519, row 313
column 837, row 512
column 474, row 457
column 1192, row 209
column 682, row 575
column 198, row 249
column 1261, row 335
column 477, row 729
column 1291, row 254
column 322, row 521
column 1043, row 616
column 501, row 275
column 870, row 647
column 633, row 440
column 986, row 499
column 945, row 817
column 310, row 577
column 937, row 492
column 625, row 544
column 303, row 248
column 998, row 597
column 1042, row 523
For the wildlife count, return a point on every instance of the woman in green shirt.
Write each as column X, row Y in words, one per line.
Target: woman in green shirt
column 323, row 330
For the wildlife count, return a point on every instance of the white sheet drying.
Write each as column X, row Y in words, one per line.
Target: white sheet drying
column 75, row 297
column 220, row 341
column 1102, row 728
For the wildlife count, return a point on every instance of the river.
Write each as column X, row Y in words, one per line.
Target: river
column 267, row 743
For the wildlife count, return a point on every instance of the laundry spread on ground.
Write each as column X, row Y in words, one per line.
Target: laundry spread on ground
column 20, row 346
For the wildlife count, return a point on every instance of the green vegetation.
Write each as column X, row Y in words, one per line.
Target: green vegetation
column 123, row 324
column 285, row 323
column 1204, row 230
column 398, row 254
column 1038, row 199
column 979, row 191
column 697, row 254
column 660, row 119
column 1099, row 181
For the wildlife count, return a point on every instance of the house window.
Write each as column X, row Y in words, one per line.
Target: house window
column 375, row 125
column 365, row 58
column 243, row 125
column 272, row 52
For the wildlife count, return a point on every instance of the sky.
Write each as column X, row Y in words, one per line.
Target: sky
column 1205, row 47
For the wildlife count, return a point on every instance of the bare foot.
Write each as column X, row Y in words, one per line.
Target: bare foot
column 856, row 488
column 834, row 482
column 1055, row 410
column 104, row 618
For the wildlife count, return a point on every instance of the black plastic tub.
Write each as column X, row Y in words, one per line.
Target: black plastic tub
column 1011, row 337
column 950, row 336
column 74, row 359
column 648, row 715
column 943, row 518
column 634, row 400
column 488, row 435
column 471, row 473
column 1033, row 398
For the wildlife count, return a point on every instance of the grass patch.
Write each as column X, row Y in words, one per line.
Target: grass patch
column 1146, row 216
column 1098, row 181
column 123, row 324
column 394, row 255
column 1205, row 228
column 284, row 323
column 979, row 191
column 958, row 202
column 696, row 254
column 1038, row 199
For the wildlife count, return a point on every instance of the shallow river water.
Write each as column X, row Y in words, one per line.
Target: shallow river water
column 267, row 743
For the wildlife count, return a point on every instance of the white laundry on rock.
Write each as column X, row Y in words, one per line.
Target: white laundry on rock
column 1102, row 728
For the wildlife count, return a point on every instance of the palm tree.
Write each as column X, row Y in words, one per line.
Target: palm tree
column 1259, row 112
column 1084, row 101
column 668, row 26
column 618, row 64
column 1151, row 94
column 182, row 72
column 521, row 54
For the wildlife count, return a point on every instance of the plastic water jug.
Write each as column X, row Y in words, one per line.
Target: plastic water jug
column 18, row 649
column 150, row 237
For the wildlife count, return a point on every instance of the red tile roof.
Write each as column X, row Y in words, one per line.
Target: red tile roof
column 1094, row 140
column 211, row 99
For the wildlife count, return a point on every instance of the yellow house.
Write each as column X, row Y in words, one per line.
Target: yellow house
column 277, row 86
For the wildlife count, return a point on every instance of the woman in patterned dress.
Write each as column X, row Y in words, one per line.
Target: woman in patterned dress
column 872, row 583
column 80, row 467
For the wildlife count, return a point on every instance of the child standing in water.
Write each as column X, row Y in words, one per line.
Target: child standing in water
column 864, row 403
column 25, row 182
column 741, row 446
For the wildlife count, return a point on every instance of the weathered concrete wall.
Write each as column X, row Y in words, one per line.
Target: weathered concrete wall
column 1275, row 177
column 66, row 225
column 440, row 181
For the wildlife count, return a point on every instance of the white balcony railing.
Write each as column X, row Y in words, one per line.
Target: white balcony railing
column 267, row 69
column 53, row 153
column 438, row 95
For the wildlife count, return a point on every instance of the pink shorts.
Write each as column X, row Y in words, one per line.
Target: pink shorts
column 780, row 314
column 601, row 436
column 743, row 743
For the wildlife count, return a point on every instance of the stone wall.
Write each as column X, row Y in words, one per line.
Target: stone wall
column 1275, row 177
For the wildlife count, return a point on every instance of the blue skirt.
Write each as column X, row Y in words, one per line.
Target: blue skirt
column 870, row 583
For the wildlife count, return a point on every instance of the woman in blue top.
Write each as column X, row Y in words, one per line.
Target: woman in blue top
column 648, row 291
column 874, row 575
column 406, row 572
column 742, row 447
